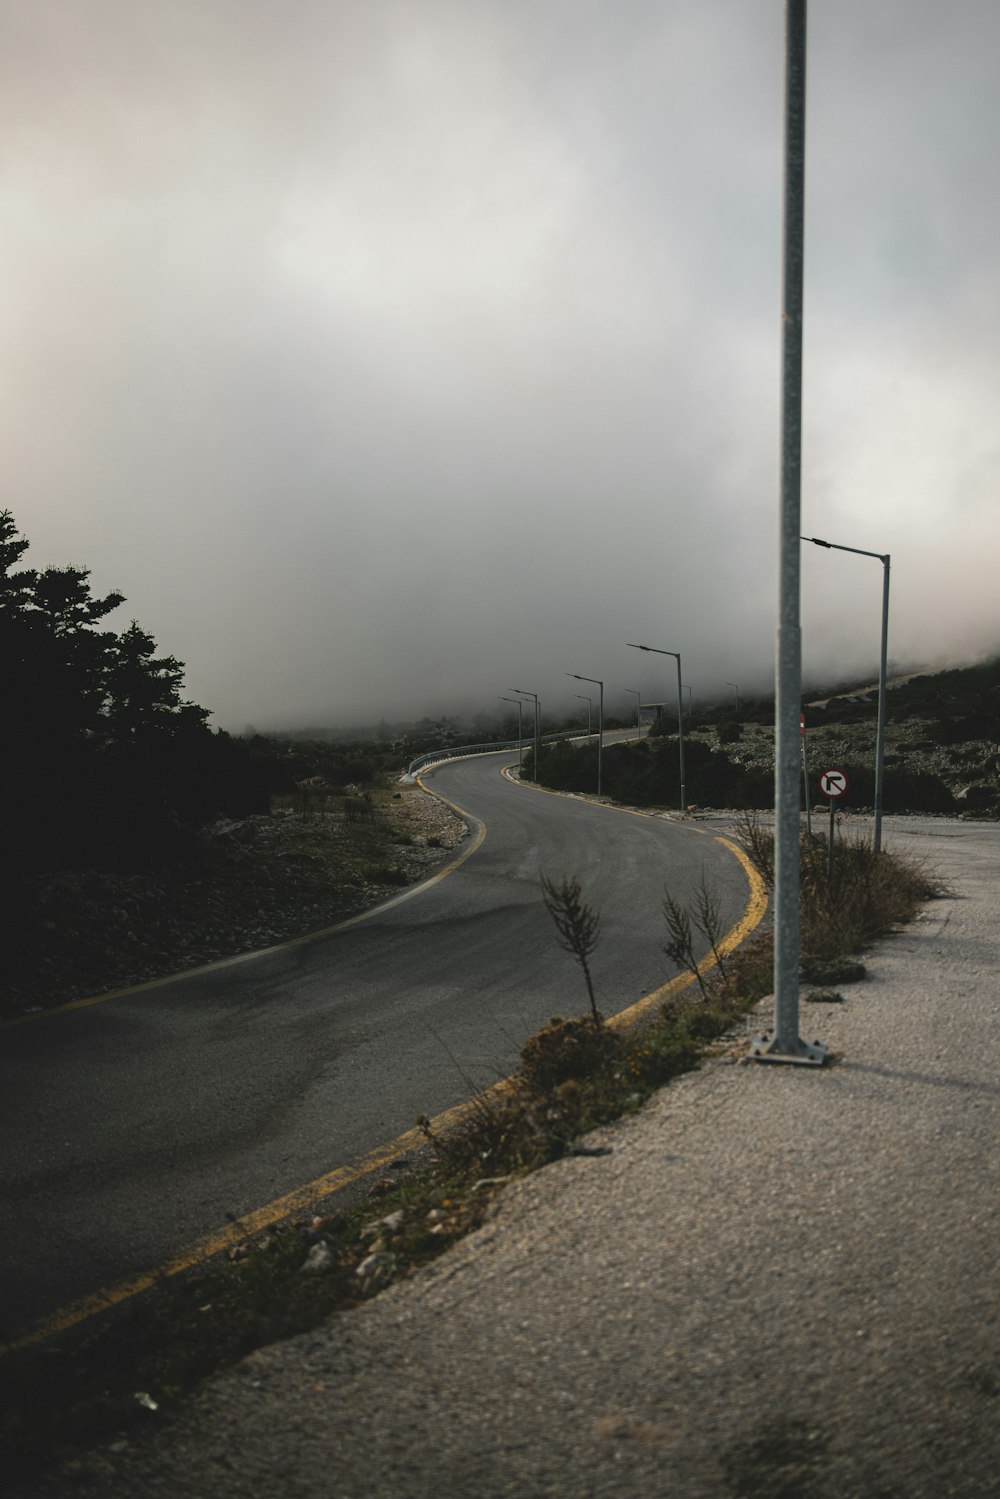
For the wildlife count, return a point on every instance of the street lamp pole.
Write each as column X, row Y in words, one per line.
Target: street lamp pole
column 737, row 690
column 590, row 704
column 638, row 709
column 520, row 736
column 538, row 728
column 680, row 710
column 600, row 719
column 884, row 558
column 786, row 1045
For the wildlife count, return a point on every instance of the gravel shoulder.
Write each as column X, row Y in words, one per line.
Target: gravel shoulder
column 780, row 1282
column 256, row 881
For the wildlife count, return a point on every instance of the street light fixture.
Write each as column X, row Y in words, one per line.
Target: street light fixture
column 600, row 719
column 590, row 704
column 680, row 709
column 520, row 736
column 638, row 709
column 737, row 690
column 883, row 557
column 538, row 727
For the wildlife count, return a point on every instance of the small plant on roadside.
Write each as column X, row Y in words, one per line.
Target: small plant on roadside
column 757, row 842
column 680, row 943
column 577, row 925
column 566, row 1049
column 708, row 919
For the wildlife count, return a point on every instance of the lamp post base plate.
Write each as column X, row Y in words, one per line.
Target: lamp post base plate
column 768, row 1048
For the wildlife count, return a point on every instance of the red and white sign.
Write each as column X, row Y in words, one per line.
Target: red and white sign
column 833, row 783
column 802, row 724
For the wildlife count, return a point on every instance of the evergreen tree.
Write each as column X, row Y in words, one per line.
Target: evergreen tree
column 102, row 758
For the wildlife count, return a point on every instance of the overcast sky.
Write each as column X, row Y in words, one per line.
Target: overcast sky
column 388, row 354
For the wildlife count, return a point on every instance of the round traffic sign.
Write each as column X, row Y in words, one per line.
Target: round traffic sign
column 833, row 783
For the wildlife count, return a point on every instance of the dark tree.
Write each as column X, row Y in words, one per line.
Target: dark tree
column 102, row 760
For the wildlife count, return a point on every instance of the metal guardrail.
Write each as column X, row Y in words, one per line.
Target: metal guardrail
column 455, row 751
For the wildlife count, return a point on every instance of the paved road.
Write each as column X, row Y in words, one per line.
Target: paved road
column 780, row 1282
column 132, row 1127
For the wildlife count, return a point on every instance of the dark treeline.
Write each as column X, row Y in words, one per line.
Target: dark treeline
column 104, row 762
column 647, row 773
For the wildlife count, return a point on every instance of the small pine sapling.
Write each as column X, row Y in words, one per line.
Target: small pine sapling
column 680, row 946
column 708, row 918
column 577, row 925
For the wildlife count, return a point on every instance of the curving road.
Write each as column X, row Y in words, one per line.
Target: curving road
column 135, row 1125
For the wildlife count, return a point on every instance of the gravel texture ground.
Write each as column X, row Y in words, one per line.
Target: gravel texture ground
column 781, row 1282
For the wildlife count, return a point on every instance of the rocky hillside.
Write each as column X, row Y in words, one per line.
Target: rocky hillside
column 970, row 771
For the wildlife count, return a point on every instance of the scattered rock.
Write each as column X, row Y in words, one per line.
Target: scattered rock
column 319, row 1257
column 823, row 997
column 391, row 1222
column 374, row 1265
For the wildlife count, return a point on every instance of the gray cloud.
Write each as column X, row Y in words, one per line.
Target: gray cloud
column 385, row 353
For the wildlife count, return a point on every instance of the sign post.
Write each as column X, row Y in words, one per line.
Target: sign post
column 832, row 783
column 805, row 776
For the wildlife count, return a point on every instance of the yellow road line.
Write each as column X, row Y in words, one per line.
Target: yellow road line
column 309, row 1195
column 220, row 1239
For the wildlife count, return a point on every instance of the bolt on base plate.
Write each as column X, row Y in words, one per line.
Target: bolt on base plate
column 768, row 1048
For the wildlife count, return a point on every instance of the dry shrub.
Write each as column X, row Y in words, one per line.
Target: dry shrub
column 360, row 810
column 868, row 894
column 751, row 969
column 566, row 1049
column 496, row 1134
column 757, row 842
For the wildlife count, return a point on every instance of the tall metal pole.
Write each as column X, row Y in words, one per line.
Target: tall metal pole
column 590, row 704
column 634, row 691
column 884, row 558
column 737, row 691
column 786, row 1045
column 680, row 729
column 538, row 723
column 882, row 688
column 680, row 710
column 600, row 719
column 520, row 720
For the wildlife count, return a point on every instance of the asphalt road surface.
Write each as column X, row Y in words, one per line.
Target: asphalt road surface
column 134, row 1126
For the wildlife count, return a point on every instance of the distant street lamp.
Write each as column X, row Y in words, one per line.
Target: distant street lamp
column 680, row 709
column 883, row 557
column 737, row 690
column 520, row 736
column 600, row 719
column 688, row 691
column 638, row 709
column 590, row 704
column 538, row 728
